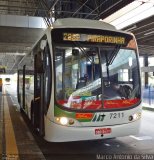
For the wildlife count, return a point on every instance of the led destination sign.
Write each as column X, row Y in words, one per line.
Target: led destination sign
column 93, row 38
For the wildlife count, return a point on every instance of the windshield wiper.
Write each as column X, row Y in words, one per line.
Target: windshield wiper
column 77, row 44
column 113, row 54
column 109, row 60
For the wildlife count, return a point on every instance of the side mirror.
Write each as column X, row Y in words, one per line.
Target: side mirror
column 39, row 63
column 75, row 52
column 43, row 44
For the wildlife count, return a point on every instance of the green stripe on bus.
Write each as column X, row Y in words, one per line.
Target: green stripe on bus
column 62, row 113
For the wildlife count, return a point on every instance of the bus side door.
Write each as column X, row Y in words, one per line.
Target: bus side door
column 38, row 93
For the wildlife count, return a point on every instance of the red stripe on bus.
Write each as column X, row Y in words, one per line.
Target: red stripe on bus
column 97, row 104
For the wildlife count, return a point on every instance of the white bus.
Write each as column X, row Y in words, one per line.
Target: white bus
column 83, row 83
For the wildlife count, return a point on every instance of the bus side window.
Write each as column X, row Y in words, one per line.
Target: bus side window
column 47, row 77
column 39, row 63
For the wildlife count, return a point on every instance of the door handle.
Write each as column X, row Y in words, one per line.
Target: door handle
column 37, row 98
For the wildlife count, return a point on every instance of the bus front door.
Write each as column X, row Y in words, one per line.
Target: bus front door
column 38, row 111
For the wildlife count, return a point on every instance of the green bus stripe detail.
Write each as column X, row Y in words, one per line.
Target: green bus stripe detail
column 84, row 120
column 62, row 113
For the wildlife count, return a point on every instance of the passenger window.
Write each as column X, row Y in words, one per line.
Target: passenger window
column 47, row 77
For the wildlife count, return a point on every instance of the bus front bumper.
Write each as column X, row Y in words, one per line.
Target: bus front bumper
column 58, row 133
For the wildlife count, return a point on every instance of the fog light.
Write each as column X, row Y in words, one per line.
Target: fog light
column 71, row 121
column 130, row 118
column 63, row 120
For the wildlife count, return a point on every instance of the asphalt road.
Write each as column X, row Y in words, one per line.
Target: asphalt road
column 140, row 146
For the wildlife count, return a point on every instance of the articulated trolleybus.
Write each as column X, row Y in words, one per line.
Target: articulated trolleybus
column 83, row 83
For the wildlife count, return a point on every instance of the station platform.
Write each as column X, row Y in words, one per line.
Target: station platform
column 16, row 141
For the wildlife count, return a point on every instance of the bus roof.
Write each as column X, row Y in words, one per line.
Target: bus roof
column 85, row 23
column 82, row 23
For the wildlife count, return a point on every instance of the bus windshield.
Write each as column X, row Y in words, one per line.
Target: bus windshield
column 94, row 77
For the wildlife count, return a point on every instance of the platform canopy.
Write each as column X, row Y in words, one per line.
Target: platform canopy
column 23, row 21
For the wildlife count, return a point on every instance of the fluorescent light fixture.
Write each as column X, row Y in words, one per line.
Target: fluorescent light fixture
column 122, row 11
column 149, row 33
column 149, row 1
column 137, row 18
column 132, row 13
column 16, row 53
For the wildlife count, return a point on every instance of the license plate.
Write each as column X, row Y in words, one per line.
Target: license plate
column 102, row 131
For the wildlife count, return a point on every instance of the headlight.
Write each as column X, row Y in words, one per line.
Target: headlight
column 63, row 120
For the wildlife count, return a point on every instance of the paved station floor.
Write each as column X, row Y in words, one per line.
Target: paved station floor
column 16, row 141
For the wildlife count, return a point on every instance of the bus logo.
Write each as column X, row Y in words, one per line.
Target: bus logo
column 98, row 117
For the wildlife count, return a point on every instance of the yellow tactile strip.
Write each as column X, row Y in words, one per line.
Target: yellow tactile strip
column 26, row 144
column 10, row 141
